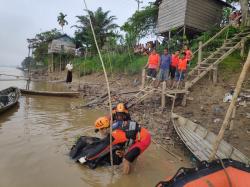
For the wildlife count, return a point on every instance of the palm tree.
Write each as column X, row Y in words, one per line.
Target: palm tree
column 61, row 20
column 103, row 25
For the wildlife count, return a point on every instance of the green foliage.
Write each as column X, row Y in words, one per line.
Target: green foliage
column 103, row 25
column 115, row 63
column 28, row 62
column 231, row 65
column 140, row 24
column 40, row 44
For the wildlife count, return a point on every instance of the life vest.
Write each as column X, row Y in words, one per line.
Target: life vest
column 182, row 65
column 153, row 60
column 175, row 60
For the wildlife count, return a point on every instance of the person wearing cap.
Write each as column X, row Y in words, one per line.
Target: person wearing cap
column 131, row 135
column 138, row 137
column 102, row 126
column 122, row 109
column 181, row 70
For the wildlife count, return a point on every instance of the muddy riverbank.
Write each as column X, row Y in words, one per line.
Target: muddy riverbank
column 205, row 106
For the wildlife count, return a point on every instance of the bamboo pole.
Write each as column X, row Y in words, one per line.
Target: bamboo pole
column 232, row 119
column 108, row 88
column 231, row 107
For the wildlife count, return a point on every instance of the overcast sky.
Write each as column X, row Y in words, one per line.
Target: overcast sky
column 22, row 19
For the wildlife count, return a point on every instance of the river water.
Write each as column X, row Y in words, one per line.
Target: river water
column 36, row 135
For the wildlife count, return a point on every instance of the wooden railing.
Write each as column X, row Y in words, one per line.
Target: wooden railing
column 203, row 45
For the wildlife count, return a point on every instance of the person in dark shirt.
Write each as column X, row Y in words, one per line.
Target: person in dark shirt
column 165, row 61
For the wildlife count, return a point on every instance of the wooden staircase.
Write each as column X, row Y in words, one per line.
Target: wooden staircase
column 211, row 62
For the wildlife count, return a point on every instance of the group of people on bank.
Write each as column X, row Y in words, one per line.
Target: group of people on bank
column 132, row 138
column 169, row 67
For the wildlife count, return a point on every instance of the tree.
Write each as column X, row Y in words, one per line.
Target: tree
column 28, row 62
column 103, row 24
column 61, row 20
column 141, row 23
column 40, row 43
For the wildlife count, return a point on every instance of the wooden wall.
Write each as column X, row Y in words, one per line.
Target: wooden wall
column 68, row 46
column 171, row 15
column 203, row 14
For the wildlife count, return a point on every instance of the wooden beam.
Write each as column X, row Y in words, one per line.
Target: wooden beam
column 231, row 107
column 143, row 78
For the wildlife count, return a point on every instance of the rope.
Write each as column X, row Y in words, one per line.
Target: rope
column 227, row 175
column 108, row 88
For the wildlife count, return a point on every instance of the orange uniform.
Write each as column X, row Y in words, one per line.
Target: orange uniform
column 153, row 61
column 182, row 65
column 175, row 60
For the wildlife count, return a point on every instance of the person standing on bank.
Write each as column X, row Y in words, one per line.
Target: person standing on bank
column 165, row 62
column 153, row 64
column 69, row 67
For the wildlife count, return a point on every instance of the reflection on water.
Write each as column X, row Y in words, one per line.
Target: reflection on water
column 35, row 138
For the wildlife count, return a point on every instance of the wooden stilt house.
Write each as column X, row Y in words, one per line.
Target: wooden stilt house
column 192, row 16
column 62, row 46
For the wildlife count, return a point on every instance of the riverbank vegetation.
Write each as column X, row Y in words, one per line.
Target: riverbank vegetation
column 116, row 42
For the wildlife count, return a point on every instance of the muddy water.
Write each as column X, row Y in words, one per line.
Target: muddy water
column 35, row 138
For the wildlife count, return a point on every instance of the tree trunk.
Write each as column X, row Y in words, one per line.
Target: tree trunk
column 245, row 12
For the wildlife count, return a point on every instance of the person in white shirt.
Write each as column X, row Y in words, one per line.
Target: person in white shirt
column 69, row 67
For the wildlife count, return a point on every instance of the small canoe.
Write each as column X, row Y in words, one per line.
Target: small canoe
column 49, row 93
column 8, row 98
column 200, row 141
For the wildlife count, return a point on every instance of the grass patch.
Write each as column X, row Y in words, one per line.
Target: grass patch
column 115, row 63
column 230, row 65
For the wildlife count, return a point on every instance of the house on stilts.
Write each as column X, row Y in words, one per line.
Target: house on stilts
column 189, row 16
column 61, row 48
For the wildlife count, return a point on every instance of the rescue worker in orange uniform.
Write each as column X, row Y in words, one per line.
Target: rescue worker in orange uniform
column 130, row 134
column 173, row 65
column 153, row 64
column 181, row 70
column 139, row 138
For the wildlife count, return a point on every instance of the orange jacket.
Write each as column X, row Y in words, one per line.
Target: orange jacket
column 153, row 61
column 182, row 65
column 175, row 60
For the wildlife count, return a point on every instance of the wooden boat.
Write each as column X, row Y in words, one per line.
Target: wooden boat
column 8, row 98
column 49, row 93
column 200, row 141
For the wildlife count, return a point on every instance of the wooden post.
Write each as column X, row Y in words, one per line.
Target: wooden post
column 163, row 96
column 200, row 55
column 143, row 78
column 232, row 119
column 200, row 52
column 243, row 41
column 231, row 107
column 52, row 65
column 215, row 74
column 184, row 31
column 184, row 99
